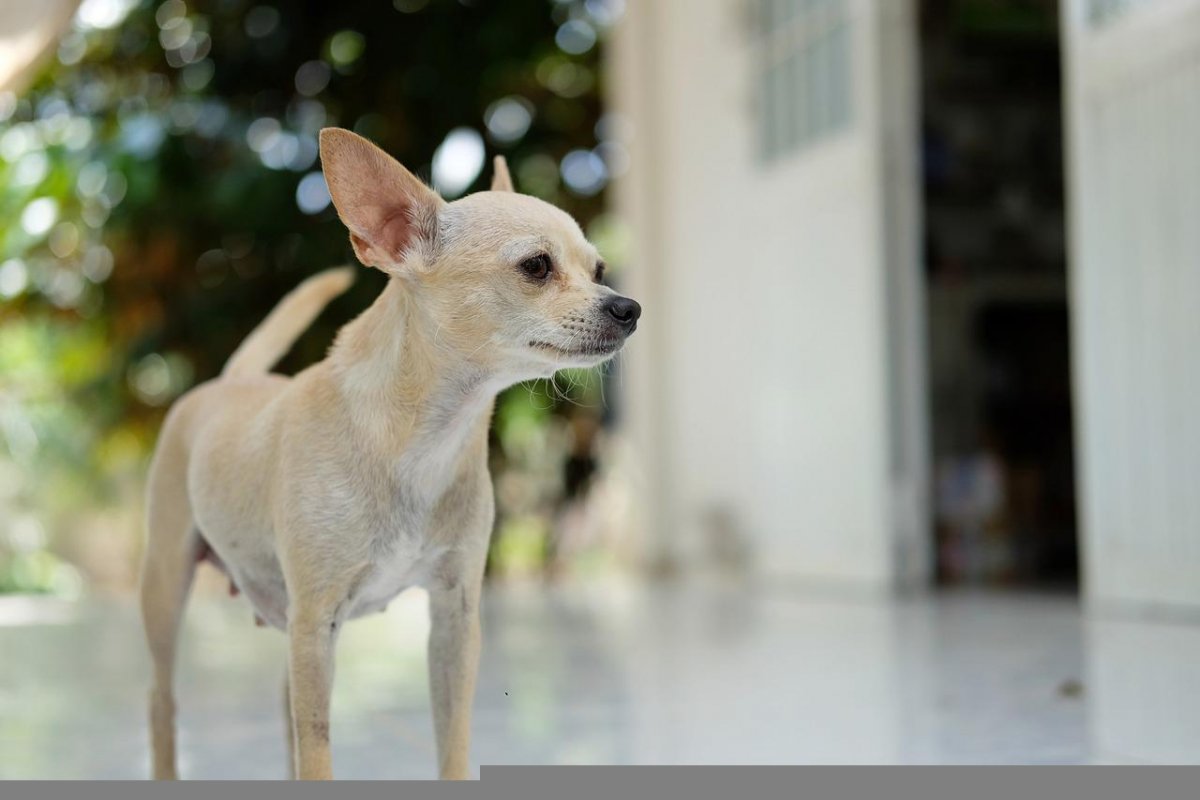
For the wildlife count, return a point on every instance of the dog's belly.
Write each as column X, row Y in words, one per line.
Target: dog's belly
column 263, row 586
column 256, row 574
column 243, row 548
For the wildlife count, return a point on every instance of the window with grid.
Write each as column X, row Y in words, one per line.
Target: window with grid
column 805, row 85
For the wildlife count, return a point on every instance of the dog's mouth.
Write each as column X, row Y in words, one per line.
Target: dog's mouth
column 603, row 347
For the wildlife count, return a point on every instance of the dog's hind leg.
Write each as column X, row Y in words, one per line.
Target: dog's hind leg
column 173, row 547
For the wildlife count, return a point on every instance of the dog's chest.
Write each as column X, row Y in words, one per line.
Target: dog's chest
column 405, row 549
column 405, row 563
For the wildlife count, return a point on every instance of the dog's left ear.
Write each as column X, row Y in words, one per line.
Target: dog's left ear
column 388, row 210
column 501, row 179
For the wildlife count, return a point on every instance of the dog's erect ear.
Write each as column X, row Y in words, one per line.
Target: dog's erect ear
column 501, row 180
column 387, row 209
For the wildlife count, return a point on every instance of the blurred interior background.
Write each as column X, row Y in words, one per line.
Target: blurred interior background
column 162, row 191
column 921, row 279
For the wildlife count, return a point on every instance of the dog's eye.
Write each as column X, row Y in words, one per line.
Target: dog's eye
column 599, row 271
column 538, row 267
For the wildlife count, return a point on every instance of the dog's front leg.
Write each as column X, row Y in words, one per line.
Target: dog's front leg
column 311, row 637
column 453, row 665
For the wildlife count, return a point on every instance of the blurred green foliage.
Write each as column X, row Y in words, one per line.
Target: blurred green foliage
column 159, row 191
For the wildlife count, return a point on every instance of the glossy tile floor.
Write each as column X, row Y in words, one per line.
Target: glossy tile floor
column 622, row 674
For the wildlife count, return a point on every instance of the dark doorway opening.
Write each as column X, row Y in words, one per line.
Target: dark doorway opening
column 997, row 294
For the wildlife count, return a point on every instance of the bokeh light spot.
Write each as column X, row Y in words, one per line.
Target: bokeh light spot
column 39, row 216
column 64, row 239
column 261, row 21
column 14, row 277
column 312, row 77
column 575, row 37
column 168, row 11
column 458, row 161
column 312, row 195
column 262, row 134
column 103, row 14
column 196, row 76
column 31, row 169
column 584, row 172
column 345, row 47
column 508, row 119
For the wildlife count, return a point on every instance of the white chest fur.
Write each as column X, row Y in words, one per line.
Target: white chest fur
column 409, row 545
column 410, row 563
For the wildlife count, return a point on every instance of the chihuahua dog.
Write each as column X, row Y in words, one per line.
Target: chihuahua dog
column 325, row 495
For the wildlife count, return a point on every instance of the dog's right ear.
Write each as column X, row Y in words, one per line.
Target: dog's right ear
column 501, row 179
column 388, row 210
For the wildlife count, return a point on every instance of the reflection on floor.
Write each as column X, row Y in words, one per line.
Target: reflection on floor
column 617, row 674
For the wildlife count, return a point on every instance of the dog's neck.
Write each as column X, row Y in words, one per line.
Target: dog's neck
column 410, row 398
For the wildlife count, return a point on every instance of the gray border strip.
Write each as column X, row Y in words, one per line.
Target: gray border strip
column 852, row 783
column 604, row 783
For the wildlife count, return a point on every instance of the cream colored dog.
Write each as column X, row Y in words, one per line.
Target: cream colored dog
column 325, row 495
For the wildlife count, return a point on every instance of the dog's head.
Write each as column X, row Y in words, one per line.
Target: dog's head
column 506, row 279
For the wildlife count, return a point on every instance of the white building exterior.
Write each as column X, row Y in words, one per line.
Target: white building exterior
column 776, row 387
column 778, row 390
column 1134, row 192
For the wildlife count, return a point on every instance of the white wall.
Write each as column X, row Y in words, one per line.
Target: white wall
column 760, row 384
column 1134, row 112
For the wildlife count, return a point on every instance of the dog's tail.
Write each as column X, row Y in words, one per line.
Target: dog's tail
column 267, row 343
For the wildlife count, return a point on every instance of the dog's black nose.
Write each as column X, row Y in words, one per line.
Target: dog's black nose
column 624, row 311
